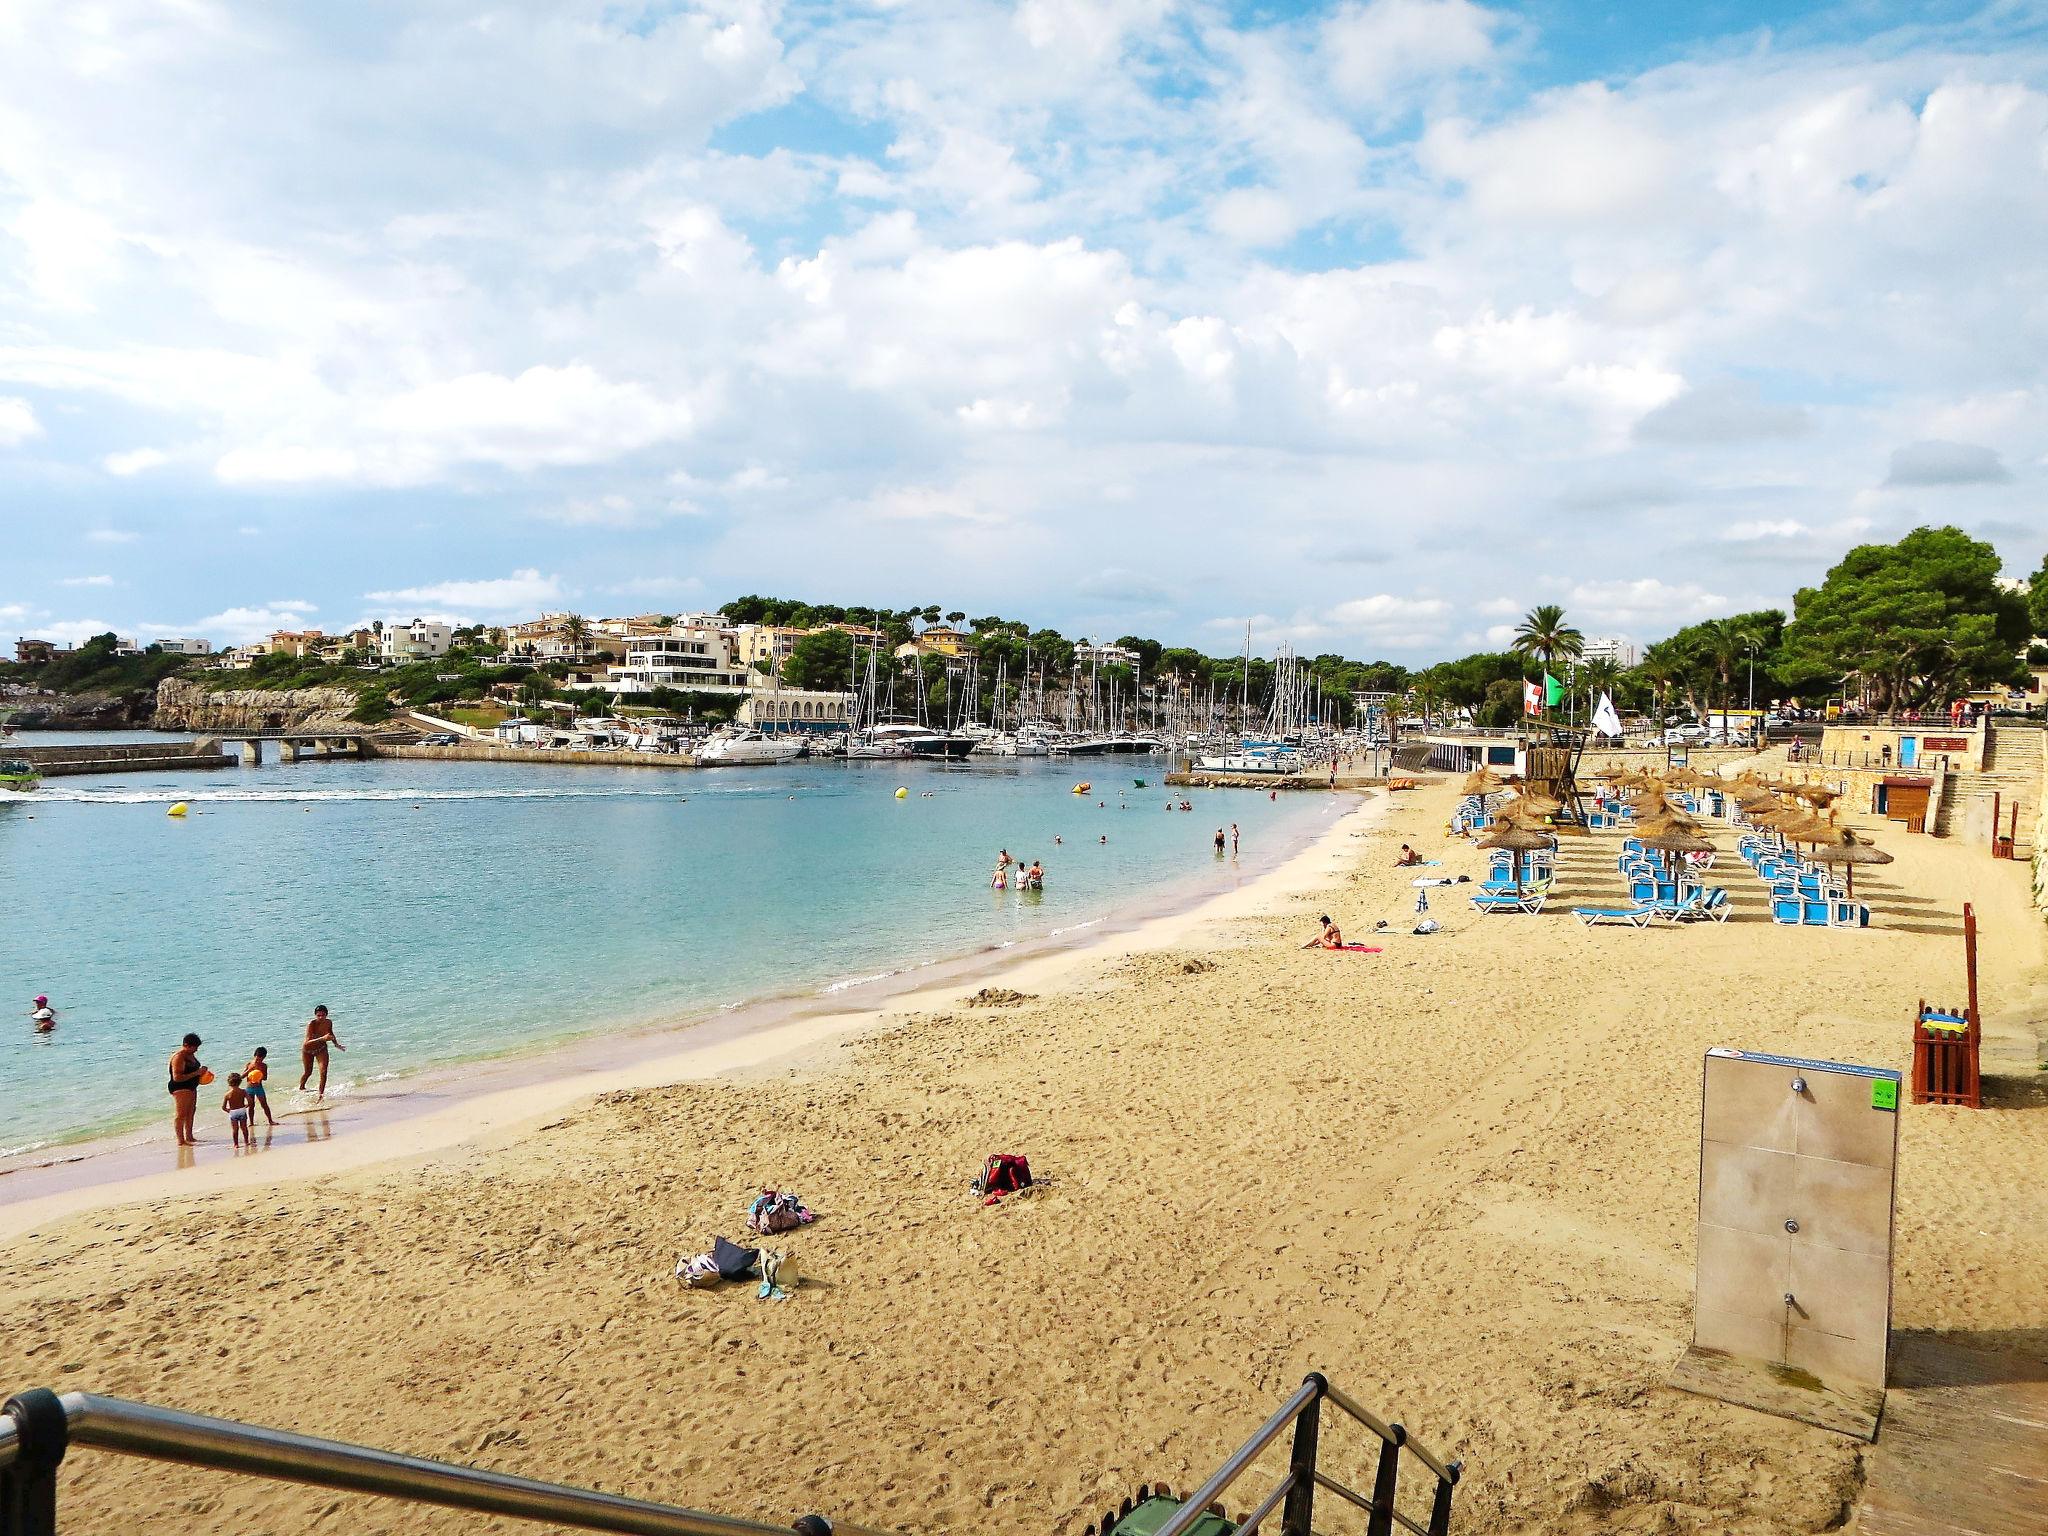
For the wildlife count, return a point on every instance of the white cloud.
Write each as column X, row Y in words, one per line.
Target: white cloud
column 133, row 461
column 658, row 586
column 1646, row 603
column 1752, row 529
column 111, row 536
column 1938, row 463
column 86, row 581
column 17, row 421
column 1719, row 414
column 1383, row 44
column 523, row 592
column 238, row 626
column 928, row 504
column 1132, row 280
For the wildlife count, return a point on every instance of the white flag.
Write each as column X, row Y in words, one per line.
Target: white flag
column 1605, row 720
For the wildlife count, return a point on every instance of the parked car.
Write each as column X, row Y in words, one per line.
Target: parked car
column 440, row 739
column 1684, row 735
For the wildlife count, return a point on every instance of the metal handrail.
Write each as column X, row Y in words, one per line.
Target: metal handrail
column 1233, row 1467
column 1297, row 1487
column 168, row 1434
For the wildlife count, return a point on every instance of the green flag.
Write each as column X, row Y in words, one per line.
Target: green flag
column 1553, row 692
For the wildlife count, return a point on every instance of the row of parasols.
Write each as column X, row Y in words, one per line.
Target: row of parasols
column 1791, row 812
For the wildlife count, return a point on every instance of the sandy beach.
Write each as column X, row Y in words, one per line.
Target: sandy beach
column 1457, row 1175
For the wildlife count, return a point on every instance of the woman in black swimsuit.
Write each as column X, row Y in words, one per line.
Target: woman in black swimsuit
column 186, row 1072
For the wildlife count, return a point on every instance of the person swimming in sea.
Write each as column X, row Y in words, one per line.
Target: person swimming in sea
column 42, row 1015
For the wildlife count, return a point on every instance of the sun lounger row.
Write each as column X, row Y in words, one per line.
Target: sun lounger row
column 1801, row 894
column 1695, row 904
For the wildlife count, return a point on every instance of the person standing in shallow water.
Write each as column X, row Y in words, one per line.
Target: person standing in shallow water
column 319, row 1036
column 186, row 1075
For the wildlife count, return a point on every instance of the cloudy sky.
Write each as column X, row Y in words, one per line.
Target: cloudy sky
column 1375, row 322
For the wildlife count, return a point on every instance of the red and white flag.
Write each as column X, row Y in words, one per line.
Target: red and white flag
column 1532, row 698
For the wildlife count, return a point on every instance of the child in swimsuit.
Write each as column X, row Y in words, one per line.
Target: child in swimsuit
column 236, row 1102
column 253, row 1076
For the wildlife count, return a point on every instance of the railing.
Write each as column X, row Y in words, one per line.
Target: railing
column 37, row 1428
column 1295, row 1493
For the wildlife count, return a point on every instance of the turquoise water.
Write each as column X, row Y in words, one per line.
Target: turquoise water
column 454, row 910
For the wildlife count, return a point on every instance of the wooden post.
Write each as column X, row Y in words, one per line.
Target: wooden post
column 1971, row 1086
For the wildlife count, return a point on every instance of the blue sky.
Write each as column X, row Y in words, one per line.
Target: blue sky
column 1372, row 323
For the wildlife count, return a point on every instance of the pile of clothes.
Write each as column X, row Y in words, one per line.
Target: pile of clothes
column 1006, row 1173
column 726, row 1261
column 772, row 1211
column 778, row 1211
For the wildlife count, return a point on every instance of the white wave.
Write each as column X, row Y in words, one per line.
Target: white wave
column 1074, row 927
column 855, row 981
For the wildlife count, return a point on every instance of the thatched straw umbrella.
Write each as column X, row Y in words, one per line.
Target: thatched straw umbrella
column 1817, row 795
column 1518, row 840
column 1673, row 840
column 1808, row 828
column 1537, row 801
column 1480, row 781
column 1850, row 853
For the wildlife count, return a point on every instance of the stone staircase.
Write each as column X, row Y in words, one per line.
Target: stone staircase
column 2011, row 776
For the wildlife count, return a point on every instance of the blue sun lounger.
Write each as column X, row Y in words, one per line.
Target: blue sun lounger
column 1530, row 900
column 1595, row 917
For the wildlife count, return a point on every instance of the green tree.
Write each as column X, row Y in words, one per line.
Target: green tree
column 1727, row 645
column 1915, row 623
column 1502, row 703
column 1148, row 653
column 821, row 659
column 1544, row 635
column 2037, row 599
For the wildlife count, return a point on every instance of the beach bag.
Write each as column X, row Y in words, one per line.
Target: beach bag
column 776, row 1211
column 699, row 1271
column 733, row 1261
column 1003, row 1174
column 779, row 1269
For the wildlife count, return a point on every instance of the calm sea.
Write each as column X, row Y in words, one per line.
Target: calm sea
column 446, row 911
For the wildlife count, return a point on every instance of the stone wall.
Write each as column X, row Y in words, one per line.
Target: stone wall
column 494, row 752
column 185, row 704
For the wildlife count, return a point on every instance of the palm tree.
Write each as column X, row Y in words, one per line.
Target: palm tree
column 1661, row 670
column 1723, row 645
column 1598, row 677
column 1545, row 636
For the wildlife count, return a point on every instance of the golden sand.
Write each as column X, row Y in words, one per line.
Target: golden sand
column 1457, row 1175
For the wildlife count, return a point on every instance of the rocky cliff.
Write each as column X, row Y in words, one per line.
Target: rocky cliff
column 79, row 711
column 184, row 704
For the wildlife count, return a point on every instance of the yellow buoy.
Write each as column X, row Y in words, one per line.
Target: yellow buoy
column 902, row 794
column 177, row 810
